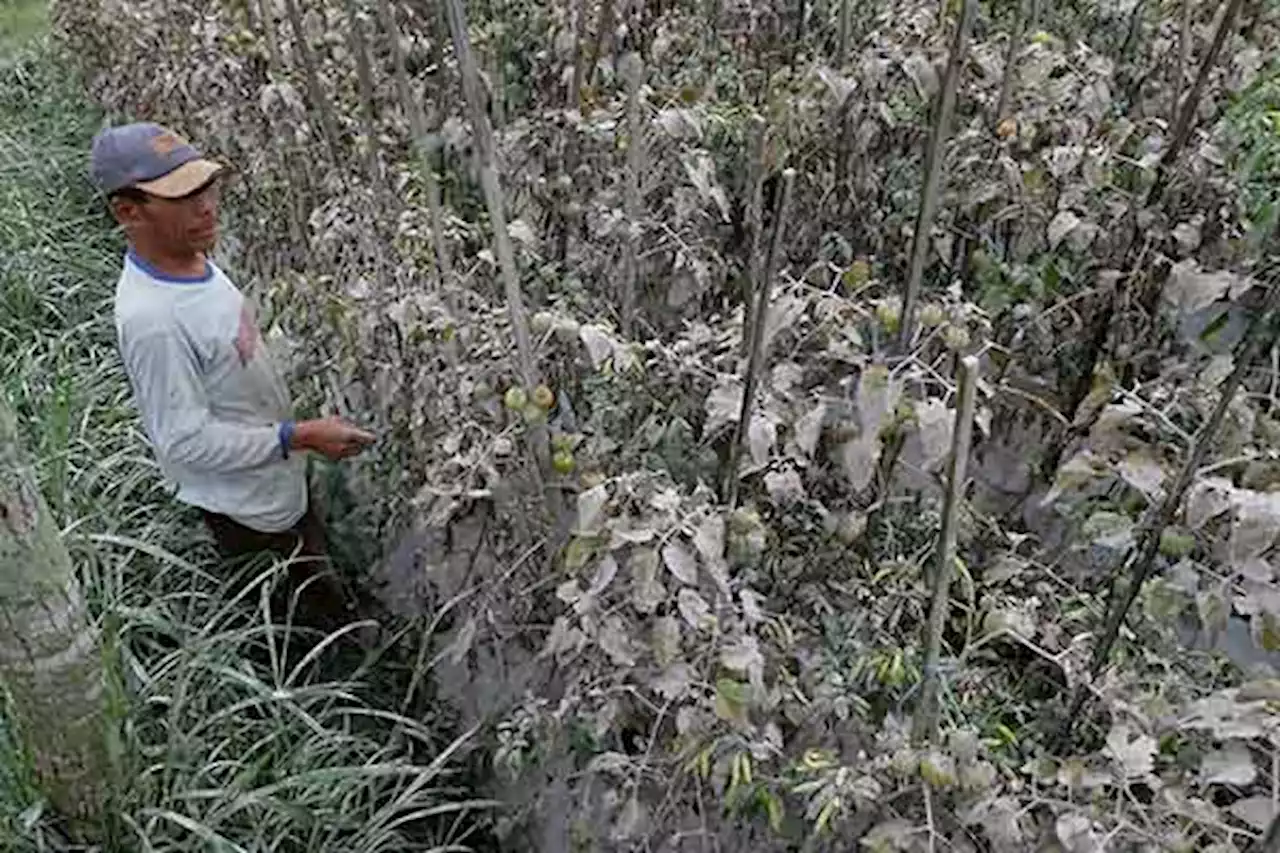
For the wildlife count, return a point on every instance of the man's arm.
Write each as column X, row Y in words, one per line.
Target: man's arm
column 176, row 413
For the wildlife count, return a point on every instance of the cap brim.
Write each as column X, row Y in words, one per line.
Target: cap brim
column 184, row 180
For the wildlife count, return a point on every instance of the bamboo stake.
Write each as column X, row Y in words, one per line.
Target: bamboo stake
column 486, row 158
column 327, row 124
column 634, row 69
column 842, row 43
column 604, row 27
column 755, row 364
column 574, row 99
column 1261, row 329
column 1184, row 55
column 926, row 720
column 358, row 46
column 939, row 133
column 1011, row 61
column 421, row 143
column 266, row 14
column 753, row 217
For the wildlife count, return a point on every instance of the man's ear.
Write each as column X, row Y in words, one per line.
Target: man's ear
column 125, row 210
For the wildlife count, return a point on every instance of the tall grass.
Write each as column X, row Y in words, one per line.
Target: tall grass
column 228, row 738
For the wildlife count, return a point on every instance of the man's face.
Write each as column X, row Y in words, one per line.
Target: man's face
column 179, row 226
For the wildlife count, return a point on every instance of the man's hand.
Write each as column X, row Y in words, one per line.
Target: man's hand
column 333, row 438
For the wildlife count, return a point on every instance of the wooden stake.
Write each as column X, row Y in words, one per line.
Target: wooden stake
column 926, row 720
column 634, row 69
column 934, row 167
column 755, row 364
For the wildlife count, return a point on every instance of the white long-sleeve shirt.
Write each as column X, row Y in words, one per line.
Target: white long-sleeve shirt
column 211, row 398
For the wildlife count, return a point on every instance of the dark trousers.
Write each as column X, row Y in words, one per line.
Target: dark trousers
column 322, row 602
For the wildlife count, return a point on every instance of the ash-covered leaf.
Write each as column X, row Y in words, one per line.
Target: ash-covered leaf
column 935, row 422
column 462, row 642
column 808, row 429
column 1190, row 289
column 665, row 640
column 591, row 505
column 647, row 591
column 674, row 682
column 742, row 655
column 1207, row 499
column 858, row 459
column 1109, row 529
column 1256, row 525
column 1231, row 765
column 599, row 344
column 761, row 435
column 1144, row 473
column 1076, row 833
column 694, row 609
column 708, row 538
column 1132, row 752
column 1257, row 812
column 701, row 170
column 615, row 640
column 606, row 571
column 784, row 487
column 1062, row 224
column 724, row 404
column 681, row 562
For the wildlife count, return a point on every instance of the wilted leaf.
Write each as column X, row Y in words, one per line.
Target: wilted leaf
column 1255, row 811
column 591, row 508
column 808, row 429
column 1256, row 525
column 724, row 404
column 742, row 655
column 1062, row 225
column 1143, row 473
column 1207, row 499
column 665, row 640
column 1076, row 834
column 1232, row 765
column 701, row 169
column 681, row 562
column 1189, row 289
column 694, row 608
column 615, row 640
column 647, row 592
column 1109, row 529
column 935, row 423
column 784, row 487
column 858, row 460
column 708, row 538
column 761, row 435
column 1133, row 752
column 598, row 343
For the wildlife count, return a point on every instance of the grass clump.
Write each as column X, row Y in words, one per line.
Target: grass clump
column 226, row 739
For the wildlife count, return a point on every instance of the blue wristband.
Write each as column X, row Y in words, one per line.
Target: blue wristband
column 286, row 437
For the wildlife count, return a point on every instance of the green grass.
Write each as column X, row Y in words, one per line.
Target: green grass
column 21, row 21
column 227, row 742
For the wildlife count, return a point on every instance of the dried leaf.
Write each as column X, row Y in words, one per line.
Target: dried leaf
column 681, row 562
column 591, row 505
column 1190, row 289
column 647, row 591
column 784, row 487
column 694, row 609
column 1232, row 765
column 615, row 640
column 1062, row 225
column 761, row 435
column 598, row 343
column 935, row 422
column 742, row 655
column 808, row 429
column 1255, row 811
column 1133, row 752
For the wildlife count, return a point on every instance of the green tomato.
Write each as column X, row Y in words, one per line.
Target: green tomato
column 563, row 462
column 515, row 399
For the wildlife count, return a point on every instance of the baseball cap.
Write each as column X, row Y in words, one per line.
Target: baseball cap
column 151, row 158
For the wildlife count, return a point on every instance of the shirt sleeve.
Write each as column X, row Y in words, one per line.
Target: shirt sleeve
column 175, row 411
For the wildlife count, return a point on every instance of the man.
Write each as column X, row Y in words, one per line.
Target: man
column 211, row 399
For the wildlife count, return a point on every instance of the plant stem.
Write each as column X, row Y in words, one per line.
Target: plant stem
column 486, row 156
column 934, row 167
column 1149, row 537
column 755, row 364
column 327, row 124
column 1011, row 61
column 926, row 720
